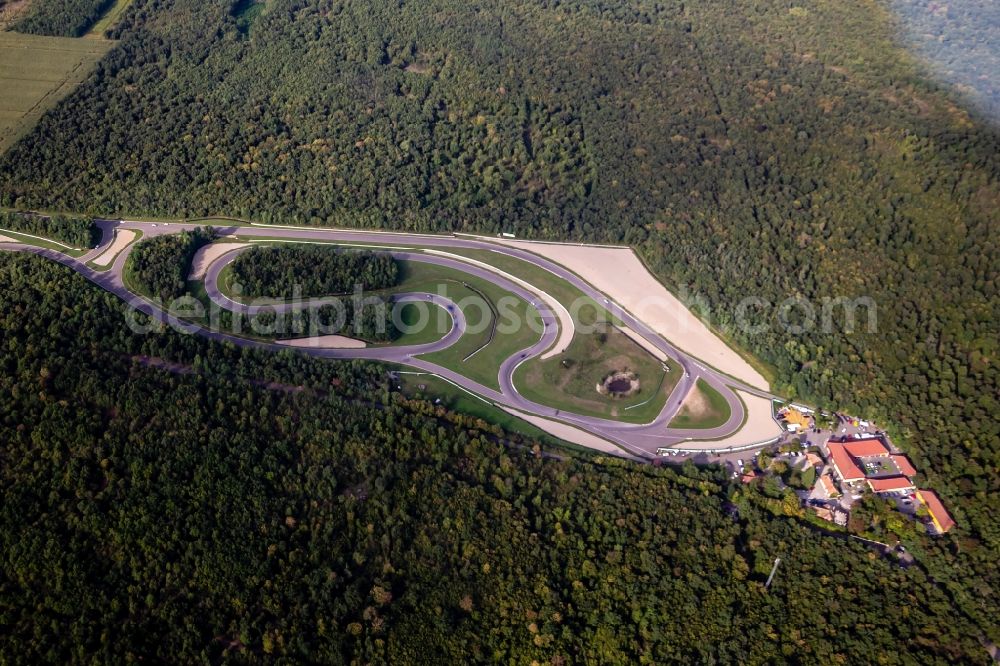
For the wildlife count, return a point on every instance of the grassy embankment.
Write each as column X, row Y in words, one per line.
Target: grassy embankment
column 704, row 407
column 453, row 398
column 43, row 242
column 481, row 302
column 568, row 381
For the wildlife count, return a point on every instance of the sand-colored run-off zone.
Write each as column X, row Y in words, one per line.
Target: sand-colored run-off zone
column 566, row 326
column 122, row 239
column 620, row 274
column 570, row 433
column 760, row 426
column 325, row 342
column 207, row 255
column 4, row 239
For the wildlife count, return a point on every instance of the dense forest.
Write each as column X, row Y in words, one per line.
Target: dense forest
column 287, row 271
column 62, row 18
column 159, row 266
column 744, row 147
column 76, row 231
column 167, row 498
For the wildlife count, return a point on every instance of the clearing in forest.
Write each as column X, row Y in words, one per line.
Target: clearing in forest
column 35, row 73
column 109, row 19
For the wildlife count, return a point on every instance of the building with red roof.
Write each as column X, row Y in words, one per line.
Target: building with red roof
column 891, row 485
column 940, row 517
column 866, row 448
column 826, row 483
column 843, row 464
column 904, row 466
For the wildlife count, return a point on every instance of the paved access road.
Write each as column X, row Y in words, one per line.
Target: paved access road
column 637, row 439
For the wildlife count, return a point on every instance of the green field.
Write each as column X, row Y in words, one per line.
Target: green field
column 479, row 300
column 705, row 408
column 469, row 292
column 410, row 314
column 569, row 381
column 465, row 290
column 581, row 306
column 35, row 73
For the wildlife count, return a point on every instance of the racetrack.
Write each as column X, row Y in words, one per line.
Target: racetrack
column 638, row 440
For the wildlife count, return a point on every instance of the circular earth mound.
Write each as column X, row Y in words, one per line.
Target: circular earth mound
column 620, row 384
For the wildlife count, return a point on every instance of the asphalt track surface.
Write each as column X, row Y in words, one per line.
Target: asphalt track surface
column 641, row 440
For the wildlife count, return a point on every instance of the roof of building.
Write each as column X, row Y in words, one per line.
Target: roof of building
column 889, row 483
column 904, row 465
column 794, row 416
column 843, row 463
column 828, row 486
column 942, row 519
column 866, row 447
column 814, row 460
column 749, row 476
